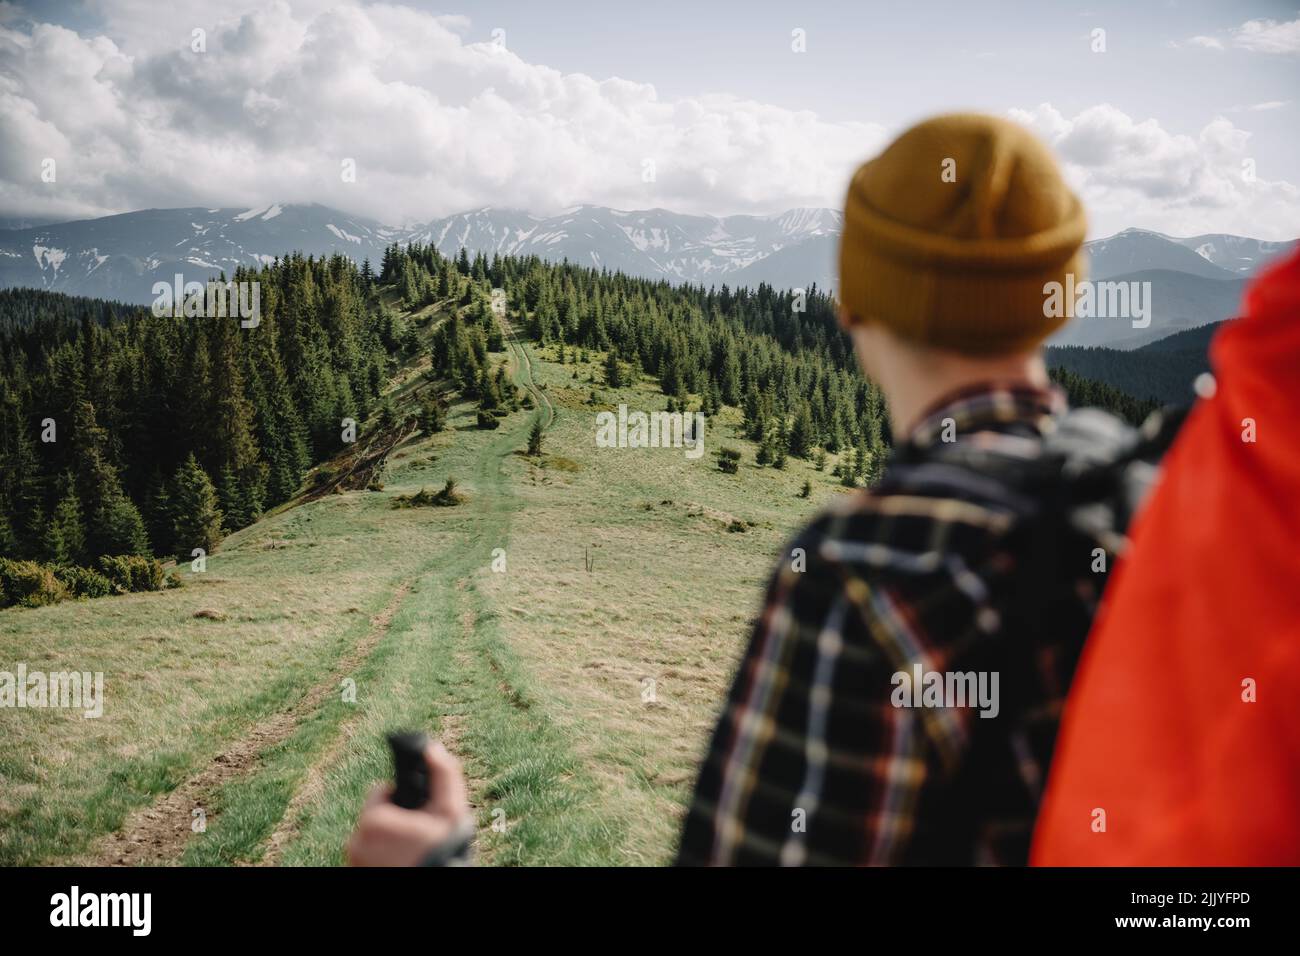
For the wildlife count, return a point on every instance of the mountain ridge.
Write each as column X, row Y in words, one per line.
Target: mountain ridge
column 120, row 257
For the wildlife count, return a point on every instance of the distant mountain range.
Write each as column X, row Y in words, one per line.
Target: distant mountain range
column 1212, row 256
column 654, row 243
column 1195, row 281
column 1164, row 370
column 122, row 256
column 1179, row 301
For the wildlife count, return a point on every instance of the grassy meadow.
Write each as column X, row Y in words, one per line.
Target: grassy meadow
column 569, row 630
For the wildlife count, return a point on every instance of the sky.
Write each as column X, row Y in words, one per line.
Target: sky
column 1171, row 115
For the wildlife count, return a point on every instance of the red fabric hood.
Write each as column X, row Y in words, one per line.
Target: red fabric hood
column 1156, row 732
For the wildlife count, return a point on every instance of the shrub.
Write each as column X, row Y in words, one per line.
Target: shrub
column 29, row 584
column 84, row 582
column 448, row 495
column 433, row 415
column 729, row 460
column 132, row 573
column 424, row 498
column 487, row 420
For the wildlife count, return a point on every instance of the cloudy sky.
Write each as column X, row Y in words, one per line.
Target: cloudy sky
column 1185, row 123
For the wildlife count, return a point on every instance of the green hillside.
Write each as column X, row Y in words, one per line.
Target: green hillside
column 565, row 618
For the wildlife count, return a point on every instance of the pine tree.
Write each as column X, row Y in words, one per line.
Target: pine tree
column 489, row 399
column 753, row 422
column 780, row 443
column 730, row 385
column 801, row 432
column 252, row 496
column 432, row 418
column 670, row 378
column 712, row 400
column 67, row 529
column 535, row 438
column 613, row 374
column 8, row 539
column 122, row 528
column 114, row 525
column 504, row 388
column 51, row 547
column 197, row 522
column 230, row 495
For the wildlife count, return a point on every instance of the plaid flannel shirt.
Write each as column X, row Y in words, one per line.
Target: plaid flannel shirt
column 811, row 762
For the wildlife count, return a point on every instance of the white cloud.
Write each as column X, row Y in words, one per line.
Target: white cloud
column 435, row 124
column 1264, row 107
column 1268, row 36
column 1132, row 173
column 1256, row 36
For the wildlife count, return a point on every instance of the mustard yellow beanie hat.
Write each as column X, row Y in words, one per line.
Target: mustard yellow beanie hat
column 951, row 233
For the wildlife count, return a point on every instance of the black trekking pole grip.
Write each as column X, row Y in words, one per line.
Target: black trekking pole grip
column 410, row 771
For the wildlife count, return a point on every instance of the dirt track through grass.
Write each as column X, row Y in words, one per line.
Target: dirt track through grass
column 524, row 376
column 159, row 833
column 535, row 676
column 444, row 668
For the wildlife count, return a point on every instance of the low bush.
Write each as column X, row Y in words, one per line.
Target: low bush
column 29, row 584
column 32, row 584
column 132, row 573
column 424, row 498
column 84, row 582
column 729, row 461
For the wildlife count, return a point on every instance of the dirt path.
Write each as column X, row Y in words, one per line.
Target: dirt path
column 524, row 361
column 156, row 835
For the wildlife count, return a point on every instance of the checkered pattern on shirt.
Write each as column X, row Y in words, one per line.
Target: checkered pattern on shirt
column 810, row 762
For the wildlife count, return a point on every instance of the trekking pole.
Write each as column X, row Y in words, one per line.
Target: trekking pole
column 410, row 771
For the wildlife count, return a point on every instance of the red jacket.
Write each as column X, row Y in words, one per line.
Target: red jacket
column 1158, row 731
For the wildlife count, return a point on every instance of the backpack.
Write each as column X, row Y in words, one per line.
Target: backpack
column 1093, row 472
column 1077, row 494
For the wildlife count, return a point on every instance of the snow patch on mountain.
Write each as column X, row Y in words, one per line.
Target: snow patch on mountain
column 121, row 256
column 46, row 256
column 347, row 236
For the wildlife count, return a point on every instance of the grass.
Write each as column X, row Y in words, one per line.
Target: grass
column 579, row 700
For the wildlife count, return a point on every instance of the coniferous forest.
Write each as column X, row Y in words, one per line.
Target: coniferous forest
column 127, row 437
